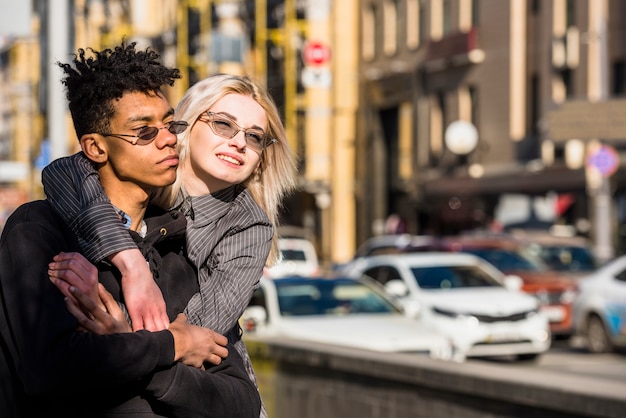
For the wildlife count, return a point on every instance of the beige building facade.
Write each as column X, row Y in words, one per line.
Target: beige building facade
column 542, row 82
column 537, row 86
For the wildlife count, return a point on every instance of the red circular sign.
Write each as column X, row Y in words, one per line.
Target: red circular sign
column 316, row 53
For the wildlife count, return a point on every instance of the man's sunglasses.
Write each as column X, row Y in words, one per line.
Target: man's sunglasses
column 147, row 134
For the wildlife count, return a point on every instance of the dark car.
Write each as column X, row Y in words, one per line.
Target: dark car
column 567, row 253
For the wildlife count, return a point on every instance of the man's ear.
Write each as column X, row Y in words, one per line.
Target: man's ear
column 94, row 148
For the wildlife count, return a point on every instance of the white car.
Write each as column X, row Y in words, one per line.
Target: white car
column 297, row 257
column 340, row 311
column 465, row 298
column 394, row 244
column 600, row 308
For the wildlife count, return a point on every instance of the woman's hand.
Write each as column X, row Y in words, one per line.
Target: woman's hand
column 92, row 317
column 142, row 296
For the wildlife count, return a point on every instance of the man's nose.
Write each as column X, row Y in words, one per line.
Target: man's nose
column 166, row 137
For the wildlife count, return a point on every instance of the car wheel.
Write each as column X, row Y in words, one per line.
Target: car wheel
column 528, row 357
column 597, row 338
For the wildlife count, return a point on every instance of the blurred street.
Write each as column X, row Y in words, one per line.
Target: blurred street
column 567, row 357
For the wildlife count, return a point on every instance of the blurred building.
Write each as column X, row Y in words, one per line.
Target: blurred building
column 539, row 87
column 20, row 120
column 447, row 115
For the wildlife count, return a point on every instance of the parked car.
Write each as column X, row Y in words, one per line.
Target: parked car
column 340, row 311
column 394, row 244
column 566, row 253
column 555, row 290
column 297, row 257
column 600, row 308
column 464, row 297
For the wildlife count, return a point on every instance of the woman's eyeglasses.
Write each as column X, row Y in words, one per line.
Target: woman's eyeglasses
column 147, row 134
column 221, row 125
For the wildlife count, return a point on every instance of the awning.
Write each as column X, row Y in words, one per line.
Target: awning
column 513, row 181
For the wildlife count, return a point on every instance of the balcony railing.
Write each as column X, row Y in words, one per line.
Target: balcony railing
column 454, row 49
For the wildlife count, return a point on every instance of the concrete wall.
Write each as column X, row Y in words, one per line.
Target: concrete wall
column 306, row 380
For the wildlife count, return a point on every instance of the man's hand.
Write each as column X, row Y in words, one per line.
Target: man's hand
column 73, row 270
column 195, row 345
column 143, row 297
column 92, row 318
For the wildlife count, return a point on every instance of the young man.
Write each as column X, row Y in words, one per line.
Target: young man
column 47, row 366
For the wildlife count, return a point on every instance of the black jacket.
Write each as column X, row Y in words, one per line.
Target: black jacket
column 47, row 367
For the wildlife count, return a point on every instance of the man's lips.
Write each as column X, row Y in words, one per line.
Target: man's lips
column 170, row 160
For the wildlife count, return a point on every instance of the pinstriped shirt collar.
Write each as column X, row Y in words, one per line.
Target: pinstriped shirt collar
column 127, row 221
column 202, row 210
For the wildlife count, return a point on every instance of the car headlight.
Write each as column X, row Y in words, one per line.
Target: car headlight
column 471, row 319
column 531, row 314
column 568, row 296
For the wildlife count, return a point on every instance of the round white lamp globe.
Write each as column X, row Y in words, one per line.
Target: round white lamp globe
column 461, row 137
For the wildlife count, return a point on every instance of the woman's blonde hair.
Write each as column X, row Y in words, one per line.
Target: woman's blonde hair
column 276, row 175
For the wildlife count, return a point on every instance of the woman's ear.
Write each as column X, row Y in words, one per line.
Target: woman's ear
column 257, row 171
column 94, row 148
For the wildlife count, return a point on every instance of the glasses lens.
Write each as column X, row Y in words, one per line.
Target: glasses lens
column 224, row 127
column 148, row 133
column 255, row 139
column 178, row 127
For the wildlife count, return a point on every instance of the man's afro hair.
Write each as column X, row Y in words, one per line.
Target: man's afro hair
column 95, row 81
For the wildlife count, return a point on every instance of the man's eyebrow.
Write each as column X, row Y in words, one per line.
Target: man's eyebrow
column 228, row 115
column 146, row 118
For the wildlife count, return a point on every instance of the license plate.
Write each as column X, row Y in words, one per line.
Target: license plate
column 502, row 337
column 554, row 313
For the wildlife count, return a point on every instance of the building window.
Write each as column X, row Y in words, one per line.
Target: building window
column 412, row 24
column 534, row 102
column 559, row 154
column 446, row 17
column 437, row 128
column 619, row 78
column 473, row 96
column 475, row 9
column 390, row 27
column 441, row 104
column 369, row 33
column 422, row 20
column 570, row 13
column 568, row 83
column 536, row 6
column 228, row 48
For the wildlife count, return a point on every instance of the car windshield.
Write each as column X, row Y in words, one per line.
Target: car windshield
column 506, row 260
column 292, row 255
column 453, row 277
column 329, row 297
column 568, row 258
